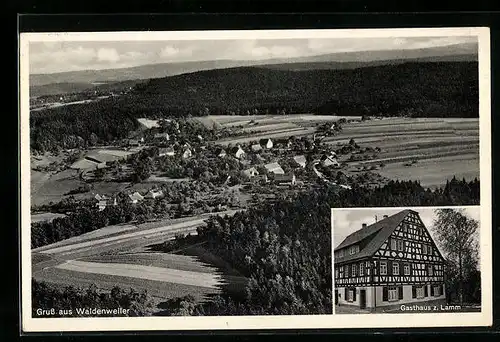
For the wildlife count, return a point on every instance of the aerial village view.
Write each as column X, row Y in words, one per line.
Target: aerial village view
column 197, row 188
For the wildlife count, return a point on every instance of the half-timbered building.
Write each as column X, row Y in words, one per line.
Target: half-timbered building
column 393, row 261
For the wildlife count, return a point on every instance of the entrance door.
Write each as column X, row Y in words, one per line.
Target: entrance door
column 362, row 299
column 336, row 297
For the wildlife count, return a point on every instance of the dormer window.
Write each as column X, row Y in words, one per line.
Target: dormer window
column 353, row 249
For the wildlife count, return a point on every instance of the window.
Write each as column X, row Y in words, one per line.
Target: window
column 400, row 245
column 393, row 244
column 336, row 273
column 430, row 250
column 437, row 291
column 383, row 268
column 351, row 295
column 346, row 270
column 430, row 270
column 424, row 249
column 367, row 266
column 341, row 270
column 395, row 268
column 362, row 269
column 393, row 294
column 353, row 249
column 407, row 269
column 353, row 268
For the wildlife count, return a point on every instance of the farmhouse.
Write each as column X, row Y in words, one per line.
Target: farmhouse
column 301, row 160
column 285, row 179
column 237, row 152
column 327, row 160
column 256, row 148
column 251, row 172
column 220, row 152
column 152, row 194
column 274, row 168
column 135, row 197
column 162, row 137
column 133, row 143
column 187, row 153
column 169, row 151
column 391, row 262
column 104, row 202
column 266, row 143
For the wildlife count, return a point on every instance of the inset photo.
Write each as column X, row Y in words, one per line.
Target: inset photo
column 407, row 260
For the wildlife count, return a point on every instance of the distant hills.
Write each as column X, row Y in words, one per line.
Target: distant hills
column 81, row 80
column 417, row 89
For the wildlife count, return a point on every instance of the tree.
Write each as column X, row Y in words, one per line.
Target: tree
column 457, row 235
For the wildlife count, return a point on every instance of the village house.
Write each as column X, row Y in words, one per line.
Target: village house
column 256, row 148
column 266, row 143
column 168, row 151
column 220, row 152
column 251, row 172
column 103, row 201
column 391, row 262
column 237, row 152
column 327, row 160
column 161, row 137
column 288, row 179
column 133, row 143
column 274, row 168
column 187, row 153
column 260, row 179
column 135, row 197
column 301, row 160
column 153, row 194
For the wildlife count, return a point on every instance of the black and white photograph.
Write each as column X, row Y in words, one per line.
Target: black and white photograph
column 401, row 260
column 171, row 174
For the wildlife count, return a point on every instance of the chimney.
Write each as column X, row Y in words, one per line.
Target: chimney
column 364, row 225
column 385, row 216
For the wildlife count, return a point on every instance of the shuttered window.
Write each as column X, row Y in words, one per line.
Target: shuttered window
column 393, row 293
column 400, row 292
column 385, row 294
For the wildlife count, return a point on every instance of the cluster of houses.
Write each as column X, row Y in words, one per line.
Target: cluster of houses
column 104, row 201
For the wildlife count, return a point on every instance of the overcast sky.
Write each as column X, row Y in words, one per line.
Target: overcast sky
column 347, row 221
column 50, row 57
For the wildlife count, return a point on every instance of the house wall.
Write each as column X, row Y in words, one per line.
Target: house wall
column 407, row 296
column 369, row 296
column 376, row 292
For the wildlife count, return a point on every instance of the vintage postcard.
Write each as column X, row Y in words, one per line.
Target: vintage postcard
column 223, row 179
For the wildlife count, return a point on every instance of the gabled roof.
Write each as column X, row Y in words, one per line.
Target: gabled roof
column 379, row 231
column 136, row 196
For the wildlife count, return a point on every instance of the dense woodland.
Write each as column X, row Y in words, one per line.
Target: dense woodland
column 441, row 89
column 284, row 248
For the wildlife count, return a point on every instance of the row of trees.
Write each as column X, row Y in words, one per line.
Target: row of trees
column 180, row 199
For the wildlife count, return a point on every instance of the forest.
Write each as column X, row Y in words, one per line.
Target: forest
column 440, row 89
column 284, row 248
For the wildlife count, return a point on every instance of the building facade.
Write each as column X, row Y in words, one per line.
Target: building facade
column 389, row 263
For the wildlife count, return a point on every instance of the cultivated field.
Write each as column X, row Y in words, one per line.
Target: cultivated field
column 441, row 148
column 120, row 256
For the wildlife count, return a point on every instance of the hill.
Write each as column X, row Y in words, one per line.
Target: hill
column 339, row 60
column 441, row 89
column 425, row 89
